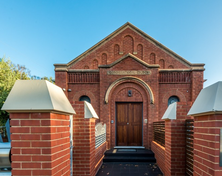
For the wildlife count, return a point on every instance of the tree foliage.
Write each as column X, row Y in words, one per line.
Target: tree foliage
column 50, row 79
column 9, row 73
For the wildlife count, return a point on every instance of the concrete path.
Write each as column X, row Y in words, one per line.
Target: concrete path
column 129, row 169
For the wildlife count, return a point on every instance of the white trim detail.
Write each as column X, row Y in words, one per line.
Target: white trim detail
column 171, row 112
column 89, row 111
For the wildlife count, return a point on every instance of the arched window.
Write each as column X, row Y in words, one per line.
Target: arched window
column 116, row 50
column 173, row 99
column 140, row 51
column 85, row 98
column 104, row 59
column 128, row 44
column 95, row 64
column 152, row 58
column 162, row 63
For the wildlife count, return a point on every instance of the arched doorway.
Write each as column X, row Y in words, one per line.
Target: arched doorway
column 129, row 103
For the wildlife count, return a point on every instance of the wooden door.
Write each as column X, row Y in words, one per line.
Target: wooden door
column 129, row 124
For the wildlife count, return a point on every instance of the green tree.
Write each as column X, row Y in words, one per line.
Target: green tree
column 50, row 79
column 9, row 73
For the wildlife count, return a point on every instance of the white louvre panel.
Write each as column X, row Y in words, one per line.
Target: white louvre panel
column 100, row 134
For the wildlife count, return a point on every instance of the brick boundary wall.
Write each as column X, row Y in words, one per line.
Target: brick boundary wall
column 86, row 158
column 40, row 144
column 207, row 145
column 99, row 155
column 172, row 158
column 159, row 152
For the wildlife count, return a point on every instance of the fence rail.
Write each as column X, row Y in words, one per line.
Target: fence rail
column 100, row 134
column 83, row 77
column 175, row 77
column 159, row 132
column 189, row 146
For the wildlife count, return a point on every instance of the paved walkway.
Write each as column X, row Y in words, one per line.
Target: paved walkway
column 129, row 169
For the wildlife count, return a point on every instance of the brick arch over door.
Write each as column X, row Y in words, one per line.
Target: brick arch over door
column 128, row 79
column 140, row 95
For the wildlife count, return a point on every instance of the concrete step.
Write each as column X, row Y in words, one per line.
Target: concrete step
column 129, row 147
column 129, row 155
column 128, row 159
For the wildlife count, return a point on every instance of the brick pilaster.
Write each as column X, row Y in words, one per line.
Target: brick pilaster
column 196, row 83
column 61, row 80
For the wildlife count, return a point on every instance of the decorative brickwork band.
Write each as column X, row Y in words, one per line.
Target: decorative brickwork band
column 175, row 77
column 83, row 77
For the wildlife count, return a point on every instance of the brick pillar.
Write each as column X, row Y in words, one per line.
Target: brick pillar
column 84, row 142
column 40, row 144
column 207, row 145
column 174, row 147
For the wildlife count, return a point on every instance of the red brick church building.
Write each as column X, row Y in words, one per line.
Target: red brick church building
column 130, row 78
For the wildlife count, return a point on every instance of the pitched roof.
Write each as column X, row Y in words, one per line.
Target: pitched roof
column 138, row 31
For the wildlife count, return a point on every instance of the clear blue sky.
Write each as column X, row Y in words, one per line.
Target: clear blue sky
column 39, row 33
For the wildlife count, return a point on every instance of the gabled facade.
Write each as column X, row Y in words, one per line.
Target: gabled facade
column 130, row 78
